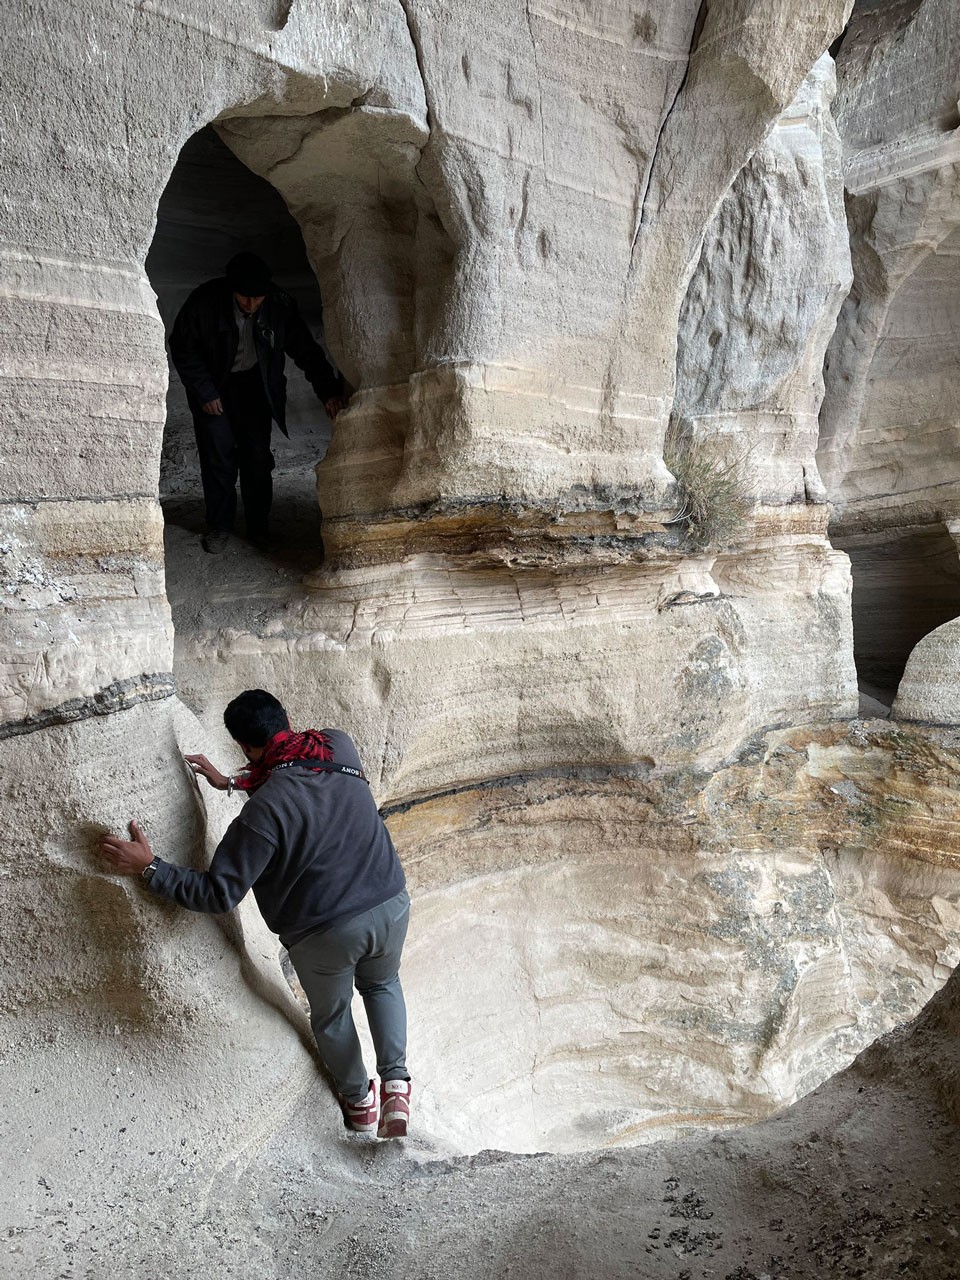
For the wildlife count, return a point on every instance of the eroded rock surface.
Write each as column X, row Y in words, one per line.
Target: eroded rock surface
column 763, row 302
column 644, row 953
column 655, row 892
column 888, row 450
column 123, row 1054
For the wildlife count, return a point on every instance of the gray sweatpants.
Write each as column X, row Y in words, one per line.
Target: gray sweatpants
column 364, row 950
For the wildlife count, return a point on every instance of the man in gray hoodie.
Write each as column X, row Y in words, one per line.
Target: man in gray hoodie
column 313, row 848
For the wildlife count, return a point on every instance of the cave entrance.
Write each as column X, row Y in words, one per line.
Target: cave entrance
column 906, row 582
column 213, row 207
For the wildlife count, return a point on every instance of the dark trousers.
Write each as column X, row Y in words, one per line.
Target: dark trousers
column 237, row 442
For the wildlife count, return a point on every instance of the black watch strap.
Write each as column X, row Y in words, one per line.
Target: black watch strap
column 149, row 870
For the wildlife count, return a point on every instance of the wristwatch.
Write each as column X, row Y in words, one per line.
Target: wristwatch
column 150, row 869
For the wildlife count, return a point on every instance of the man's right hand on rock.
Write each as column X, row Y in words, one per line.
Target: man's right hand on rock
column 202, row 767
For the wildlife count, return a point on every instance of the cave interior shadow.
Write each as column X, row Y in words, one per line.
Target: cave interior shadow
column 213, row 207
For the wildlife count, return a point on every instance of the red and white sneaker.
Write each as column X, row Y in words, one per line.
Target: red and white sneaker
column 360, row 1117
column 394, row 1108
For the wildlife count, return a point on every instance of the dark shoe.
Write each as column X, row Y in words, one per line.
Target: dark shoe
column 215, row 541
column 360, row 1117
column 261, row 539
column 394, row 1108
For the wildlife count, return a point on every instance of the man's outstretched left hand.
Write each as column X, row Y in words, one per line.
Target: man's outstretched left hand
column 128, row 857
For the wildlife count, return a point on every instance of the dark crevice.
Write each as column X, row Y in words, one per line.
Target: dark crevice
column 906, row 583
column 284, row 9
column 834, row 49
column 212, row 207
column 567, row 773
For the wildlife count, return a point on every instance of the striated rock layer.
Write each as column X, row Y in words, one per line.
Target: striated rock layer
column 889, row 450
column 633, row 954
column 654, row 891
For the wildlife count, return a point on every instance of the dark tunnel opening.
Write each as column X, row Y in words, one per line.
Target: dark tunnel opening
column 906, row 583
column 212, row 208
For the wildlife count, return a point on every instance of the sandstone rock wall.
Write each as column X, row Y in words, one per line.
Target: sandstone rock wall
column 651, row 953
column 316, row 99
column 889, row 447
column 763, row 302
column 115, row 1013
column 527, row 223
column 124, row 1059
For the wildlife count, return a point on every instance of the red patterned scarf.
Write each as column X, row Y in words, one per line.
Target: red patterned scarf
column 285, row 747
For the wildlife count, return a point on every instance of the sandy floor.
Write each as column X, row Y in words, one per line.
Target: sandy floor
column 857, row 1180
column 244, row 585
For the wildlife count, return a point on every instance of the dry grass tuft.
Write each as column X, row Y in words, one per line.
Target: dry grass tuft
column 714, row 493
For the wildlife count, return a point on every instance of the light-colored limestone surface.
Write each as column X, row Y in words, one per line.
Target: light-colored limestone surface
column 664, row 884
column 930, row 689
column 451, row 675
column 575, row 190
column 763, row 302
column 646, row 953
column 890, row 450
column 118, row 1029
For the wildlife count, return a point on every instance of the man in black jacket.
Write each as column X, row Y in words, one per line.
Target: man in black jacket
column 313, row 848
column 229, row 344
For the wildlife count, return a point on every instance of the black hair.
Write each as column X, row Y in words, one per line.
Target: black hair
column 254, row 717
column 248, row 274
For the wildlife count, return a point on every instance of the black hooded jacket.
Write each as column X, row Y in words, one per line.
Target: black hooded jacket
column 204, row 342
